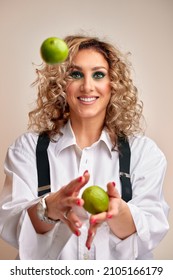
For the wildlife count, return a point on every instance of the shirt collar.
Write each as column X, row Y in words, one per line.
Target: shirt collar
column 106, row 139
column 68, row 139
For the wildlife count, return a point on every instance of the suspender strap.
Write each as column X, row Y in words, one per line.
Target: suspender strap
column 43, row 169
column 124, row 161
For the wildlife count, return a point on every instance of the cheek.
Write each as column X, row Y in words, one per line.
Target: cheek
column 71, row 96
column 72, row 88
column 70, row 92
column 106, row 90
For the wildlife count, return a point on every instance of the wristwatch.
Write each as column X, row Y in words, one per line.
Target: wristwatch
column 42, row 211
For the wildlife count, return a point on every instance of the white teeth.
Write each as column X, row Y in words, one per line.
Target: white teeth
column 87, row 99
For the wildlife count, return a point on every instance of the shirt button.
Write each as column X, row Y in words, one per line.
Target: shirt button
column 85, row 256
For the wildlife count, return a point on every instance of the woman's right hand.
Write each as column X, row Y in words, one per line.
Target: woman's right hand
column 60, row 203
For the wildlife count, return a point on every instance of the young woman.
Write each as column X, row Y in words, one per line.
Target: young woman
column 84, row 105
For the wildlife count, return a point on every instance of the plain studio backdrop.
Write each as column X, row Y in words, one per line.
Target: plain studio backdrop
column 142, row 27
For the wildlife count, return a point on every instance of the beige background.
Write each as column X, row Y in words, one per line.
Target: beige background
column 143, row 27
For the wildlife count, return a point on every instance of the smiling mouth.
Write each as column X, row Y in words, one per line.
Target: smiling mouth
column 87, row 99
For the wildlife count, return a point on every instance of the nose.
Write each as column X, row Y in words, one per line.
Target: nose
column 87, row 85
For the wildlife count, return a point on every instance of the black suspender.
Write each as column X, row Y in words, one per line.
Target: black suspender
column 43, row 168
column 124, row 161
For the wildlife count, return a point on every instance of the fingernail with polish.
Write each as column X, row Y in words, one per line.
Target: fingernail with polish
column 109, row 216
column 80, row 179
column 78, row 202
column 113, row 183
column 86, row 171
column 77, row 233
column 93, row 221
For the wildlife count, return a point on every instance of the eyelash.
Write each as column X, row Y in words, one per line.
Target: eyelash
column 79, row 75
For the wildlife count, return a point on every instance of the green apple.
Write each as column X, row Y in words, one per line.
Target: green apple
column 96, row 200
column 54, row 50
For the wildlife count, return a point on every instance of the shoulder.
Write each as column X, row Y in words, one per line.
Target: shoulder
column 144, row 147
column 25, row 143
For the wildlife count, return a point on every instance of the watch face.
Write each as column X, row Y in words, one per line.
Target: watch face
column 40, row 210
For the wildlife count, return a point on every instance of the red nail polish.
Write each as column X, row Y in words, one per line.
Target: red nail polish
column 80, row 179
column 109, row 216
column 93, row 221
column 78, row 202
column 86, row 171
column 77, row 232
column 113, row 183
column 89, row 247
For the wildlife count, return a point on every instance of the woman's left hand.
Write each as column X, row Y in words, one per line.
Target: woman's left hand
column 115, row 203
column 118, row 217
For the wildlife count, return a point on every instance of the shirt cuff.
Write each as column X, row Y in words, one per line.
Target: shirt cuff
column 141, row 222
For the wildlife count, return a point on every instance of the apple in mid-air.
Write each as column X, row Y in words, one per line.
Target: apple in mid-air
column 54, row 50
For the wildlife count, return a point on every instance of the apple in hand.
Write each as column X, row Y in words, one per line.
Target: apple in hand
column 96, row 200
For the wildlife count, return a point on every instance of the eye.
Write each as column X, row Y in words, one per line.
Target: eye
column 76, row 75
column 98, row 75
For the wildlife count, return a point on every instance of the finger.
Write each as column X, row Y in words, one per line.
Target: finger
column 72, row 201
column 87, row 176
column 112, row 190
column 72, row 221
column 95, row 222
column 90, row 237
column 114, row 200
column 74, row 229
column 75, row 185
column 98, row 219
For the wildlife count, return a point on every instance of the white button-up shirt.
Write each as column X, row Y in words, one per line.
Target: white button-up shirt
column 148, row 207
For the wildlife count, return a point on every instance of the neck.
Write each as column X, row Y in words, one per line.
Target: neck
column 86, row 131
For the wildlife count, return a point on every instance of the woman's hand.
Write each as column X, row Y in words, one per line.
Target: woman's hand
column 60, row 204
column 118, row 217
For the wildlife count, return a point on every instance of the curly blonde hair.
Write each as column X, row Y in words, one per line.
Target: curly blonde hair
column 124, row 110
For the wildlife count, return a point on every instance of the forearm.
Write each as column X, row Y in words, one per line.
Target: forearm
column 122, row 225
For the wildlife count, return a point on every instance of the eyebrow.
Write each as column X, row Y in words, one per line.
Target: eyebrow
column 94, row 68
